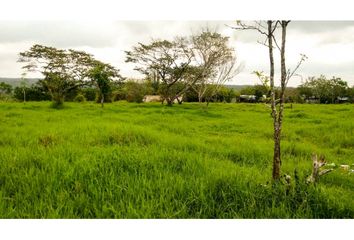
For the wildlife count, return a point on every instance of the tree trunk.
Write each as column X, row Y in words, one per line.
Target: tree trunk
column 102, row 100
column 276, row 156
column 58, row 101
column 200, row 97
column 24, row 96
column 179, row 101
column 169, row 102
column 276, row 134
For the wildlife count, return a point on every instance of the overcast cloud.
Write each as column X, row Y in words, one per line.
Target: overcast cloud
column 329, row 45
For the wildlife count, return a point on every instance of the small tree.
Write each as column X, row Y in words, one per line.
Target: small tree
column 24, row 86
column 5, row 91
column 215, row 63
column 102, row 75
column 269, row 29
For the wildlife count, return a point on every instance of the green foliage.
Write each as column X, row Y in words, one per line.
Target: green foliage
column 5, row 91
column 135, row 91
column 35, row 92
column 225, row 94
column 5, row 88
column 80, row 98
column 325, row 90
column 89, row 93
column 151, row 161
column 168, row 61
column 65, row 71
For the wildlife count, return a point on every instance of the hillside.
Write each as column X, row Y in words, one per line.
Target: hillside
column 16, row 81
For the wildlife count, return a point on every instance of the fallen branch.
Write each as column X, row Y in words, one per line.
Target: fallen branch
column 316, row 169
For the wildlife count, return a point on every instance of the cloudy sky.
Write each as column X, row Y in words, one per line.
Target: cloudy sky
column 329, row 45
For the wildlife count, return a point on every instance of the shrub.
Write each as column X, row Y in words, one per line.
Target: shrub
column 134, row 92
column 80, row 98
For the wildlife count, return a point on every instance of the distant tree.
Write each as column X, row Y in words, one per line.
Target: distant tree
column 24, row 85
column 102, row 75
column 224, row 94
column 170, row 60
column 35, row 92
column 135, row 91
column 326, row 90
column 351, row 94
column 63, row 70
column 292, row 95
column 5, row 88
column 89, row 92
column 215, row 63
column 249, row 90
column 5, row 91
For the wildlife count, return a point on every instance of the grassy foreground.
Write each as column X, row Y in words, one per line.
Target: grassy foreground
column 151, row 161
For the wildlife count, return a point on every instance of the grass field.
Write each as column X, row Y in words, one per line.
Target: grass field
column 151, row 161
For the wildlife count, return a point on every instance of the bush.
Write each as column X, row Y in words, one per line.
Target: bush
column 89, row 93
column 80, row 98
column 135, row 92
column 33, row 93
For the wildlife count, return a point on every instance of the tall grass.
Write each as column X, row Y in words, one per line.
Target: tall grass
column 150, row 161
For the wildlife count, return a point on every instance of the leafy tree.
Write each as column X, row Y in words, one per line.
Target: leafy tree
column 135, row 91
column 224, row 94
column 35, row 92
column 326, row 90
column 169, row 60
column 102, row 75
column 5, row 91
column 89, row 93
column 63, row 70
column 5, row 88
column 249, row 90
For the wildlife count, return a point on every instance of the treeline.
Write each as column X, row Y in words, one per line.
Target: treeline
column 173, row 69
column 313, row 90
column 129, row 90
column 189, row 68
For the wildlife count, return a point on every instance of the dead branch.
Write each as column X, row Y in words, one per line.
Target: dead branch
column 317, row 172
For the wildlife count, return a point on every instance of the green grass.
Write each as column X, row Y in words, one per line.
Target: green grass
column 151, row 161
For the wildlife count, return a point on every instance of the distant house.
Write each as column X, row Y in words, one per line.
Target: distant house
column 342, row 99
column 158, row 98
column 152, row 98
column 248, row 98
column 312, row 99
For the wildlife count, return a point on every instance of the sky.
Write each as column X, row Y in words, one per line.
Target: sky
column 329, row 45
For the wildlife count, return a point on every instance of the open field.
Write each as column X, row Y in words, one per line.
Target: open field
column 151, row 161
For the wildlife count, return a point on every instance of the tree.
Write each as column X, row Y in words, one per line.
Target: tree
column 170, row 60
column 102, row 75
column 215, row 63
column 63, row 70
column 5, row 88
column 35, row 92
column 326, row 90
column 5, row 91
column 24, row 85
column 277, row 105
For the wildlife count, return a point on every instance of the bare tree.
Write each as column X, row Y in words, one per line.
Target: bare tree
column 215, row 61
column 269, row 30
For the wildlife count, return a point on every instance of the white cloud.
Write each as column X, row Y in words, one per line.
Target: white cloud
column 329, row 45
